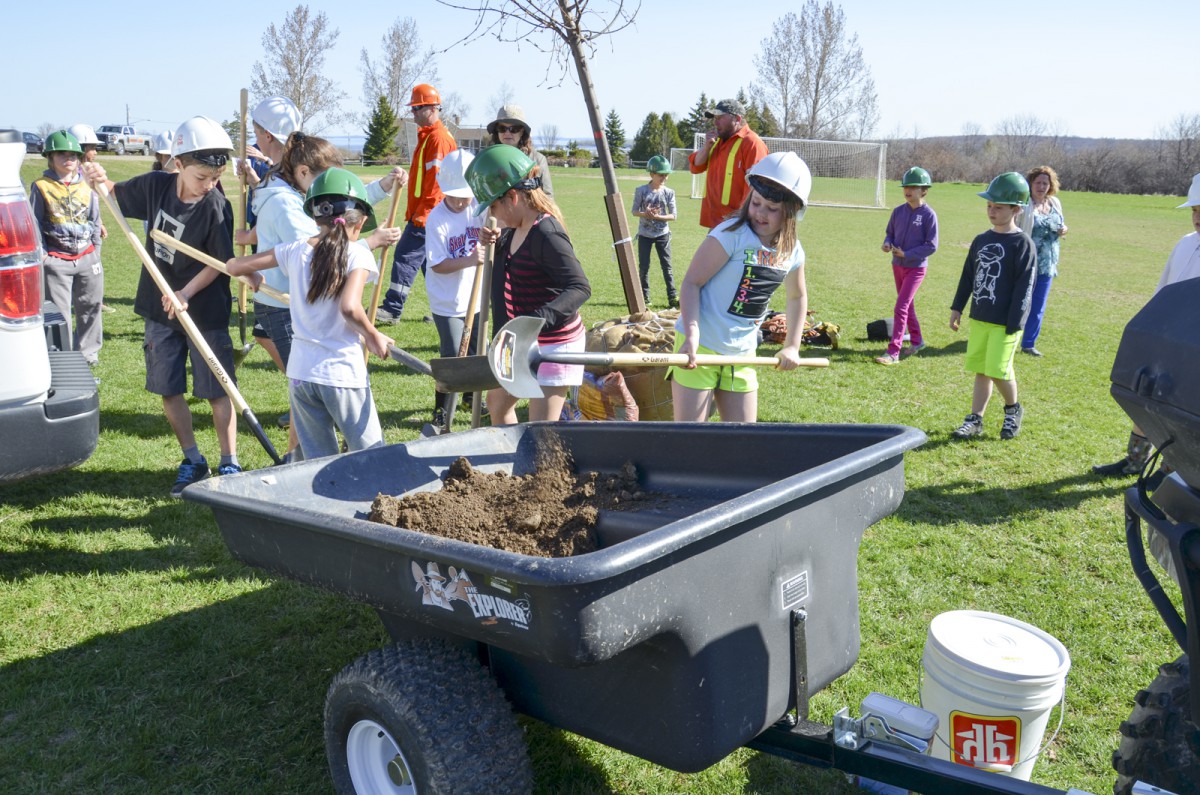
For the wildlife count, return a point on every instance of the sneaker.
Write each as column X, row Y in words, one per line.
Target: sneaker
column 189, row 473
column 439, row 418
column 427, row 319
column 284, row 420
column 106, row 309
column 228, row 469
column 1012, row 421
column 972, row 425
column 1031, row 351
column 386, row 317
column 913, row 350
column 1117, row 469
column 887, row 359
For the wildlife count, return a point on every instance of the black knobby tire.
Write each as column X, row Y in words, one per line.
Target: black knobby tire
column 435, row 705
column 1160, row 744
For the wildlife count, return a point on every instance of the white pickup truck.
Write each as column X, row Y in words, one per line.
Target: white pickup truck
column 49, row 402
column 124, row 139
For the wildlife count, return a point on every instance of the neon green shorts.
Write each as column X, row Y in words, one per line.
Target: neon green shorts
column 729, row 378
column 990, row 351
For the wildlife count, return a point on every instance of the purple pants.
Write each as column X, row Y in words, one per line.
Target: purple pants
column 904, row 318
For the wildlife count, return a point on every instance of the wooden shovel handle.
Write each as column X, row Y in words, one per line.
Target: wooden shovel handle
column 473, row 305
column 183, row 248
column 631, row 359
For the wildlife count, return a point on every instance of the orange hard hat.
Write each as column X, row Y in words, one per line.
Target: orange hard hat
column 424, row 94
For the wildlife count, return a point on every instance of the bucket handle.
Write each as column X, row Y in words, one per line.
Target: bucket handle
column 1062, row 710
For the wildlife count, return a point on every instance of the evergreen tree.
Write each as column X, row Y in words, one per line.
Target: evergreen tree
column 646, row 142
column 614, row 132
column 769, row 125
column 695, row 121
column 381, row 131
column 671, row 139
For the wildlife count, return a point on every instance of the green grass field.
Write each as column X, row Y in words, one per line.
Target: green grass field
column 136, row 656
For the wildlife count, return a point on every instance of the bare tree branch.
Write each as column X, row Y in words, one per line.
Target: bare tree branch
column 401, row 62
column 295, row 57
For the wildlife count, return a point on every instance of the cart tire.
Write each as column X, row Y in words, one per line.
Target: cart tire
column 1160, row 744
column 422, row 717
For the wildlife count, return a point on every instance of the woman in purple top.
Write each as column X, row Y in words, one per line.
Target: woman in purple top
column 912, row 237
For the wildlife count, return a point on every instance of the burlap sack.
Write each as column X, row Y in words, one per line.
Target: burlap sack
column 650, row 332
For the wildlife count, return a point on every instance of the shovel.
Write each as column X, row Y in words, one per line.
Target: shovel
column 160, row 236
column 513, row 358
column 238, row 356
column 206, row 352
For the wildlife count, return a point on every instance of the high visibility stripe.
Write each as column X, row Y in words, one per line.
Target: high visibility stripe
column 729, row 163
column 419, row 166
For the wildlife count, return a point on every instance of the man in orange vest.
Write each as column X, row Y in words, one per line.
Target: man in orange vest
column 729, row 150
column 434, row 142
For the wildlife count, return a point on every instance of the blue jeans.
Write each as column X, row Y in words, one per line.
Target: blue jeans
column 410, row 258
column 276, row 323
column 1037, row 310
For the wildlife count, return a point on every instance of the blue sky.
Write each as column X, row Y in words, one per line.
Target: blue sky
column 1097, row 69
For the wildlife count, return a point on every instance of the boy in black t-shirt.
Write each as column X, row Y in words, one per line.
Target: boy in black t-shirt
column 998, row 278
column 185, row 206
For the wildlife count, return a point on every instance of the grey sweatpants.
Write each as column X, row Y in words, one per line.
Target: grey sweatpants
column 317, row 409
column 78, row 286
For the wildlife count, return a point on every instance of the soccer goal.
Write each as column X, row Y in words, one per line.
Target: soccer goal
column 845, row 173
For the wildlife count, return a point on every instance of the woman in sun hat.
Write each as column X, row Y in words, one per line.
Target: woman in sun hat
column 510, row 127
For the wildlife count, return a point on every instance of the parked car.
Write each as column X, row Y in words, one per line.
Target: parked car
column 49, row 401
column 33, row 143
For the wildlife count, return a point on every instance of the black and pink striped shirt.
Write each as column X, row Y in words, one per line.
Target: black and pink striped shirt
column 542, row 279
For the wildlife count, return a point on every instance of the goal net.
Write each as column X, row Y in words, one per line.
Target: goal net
column 845, row 173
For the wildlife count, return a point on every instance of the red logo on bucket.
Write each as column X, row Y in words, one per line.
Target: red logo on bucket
column 985, row 740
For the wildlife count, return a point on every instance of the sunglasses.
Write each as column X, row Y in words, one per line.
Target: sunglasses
column 509, row 128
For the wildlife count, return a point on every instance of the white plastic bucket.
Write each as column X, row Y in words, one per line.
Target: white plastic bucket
column 993, row 682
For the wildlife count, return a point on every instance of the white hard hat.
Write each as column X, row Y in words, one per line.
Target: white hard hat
column 277, row 115
column 452, row 175
column 785, row 170
column 162, row 143
column 199, row 134
column 1193, row 198
column 83, row 133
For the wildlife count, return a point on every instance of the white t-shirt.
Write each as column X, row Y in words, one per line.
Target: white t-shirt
column 325, row 349
column 1184, row 262
column 449, row 235
column 734, row 301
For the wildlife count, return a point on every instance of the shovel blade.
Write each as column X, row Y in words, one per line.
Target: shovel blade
column 463, row 374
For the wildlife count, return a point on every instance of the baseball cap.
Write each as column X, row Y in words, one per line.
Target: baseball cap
column 730, row 106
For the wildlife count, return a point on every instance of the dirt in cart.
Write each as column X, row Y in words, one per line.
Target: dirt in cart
column 551, row 512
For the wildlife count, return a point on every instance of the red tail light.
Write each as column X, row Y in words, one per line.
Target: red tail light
column 21, row 291
column 17, row 233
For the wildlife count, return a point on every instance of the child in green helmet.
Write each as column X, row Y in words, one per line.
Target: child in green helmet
column 654, row 205
column 68, row 215
column 328, row 388
column 998, row 278
column 911, row 239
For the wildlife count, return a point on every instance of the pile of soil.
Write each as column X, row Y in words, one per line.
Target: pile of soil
column 550, row 513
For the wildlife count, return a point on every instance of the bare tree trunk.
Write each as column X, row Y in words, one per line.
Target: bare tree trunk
column 613, row 202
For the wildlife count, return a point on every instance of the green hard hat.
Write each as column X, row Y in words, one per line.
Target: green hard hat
column 1008, row 188
column 916, row 177
column 62, row 141
column 495, row 170
column 658, row 165
column 340, row 189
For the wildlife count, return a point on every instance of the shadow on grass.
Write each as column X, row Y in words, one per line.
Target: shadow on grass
column 225, row 698
column 222, row 699
column 956, row 501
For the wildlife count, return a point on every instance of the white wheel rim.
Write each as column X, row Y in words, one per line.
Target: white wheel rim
column 376, row 762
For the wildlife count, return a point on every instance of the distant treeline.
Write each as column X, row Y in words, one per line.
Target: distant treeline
column 1084, row 164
